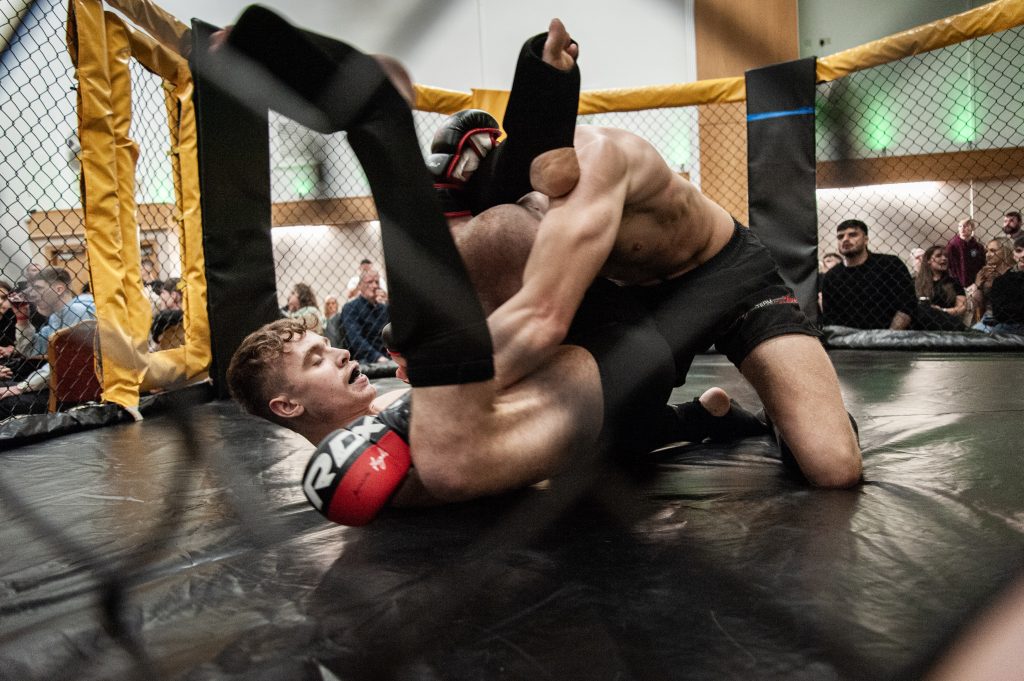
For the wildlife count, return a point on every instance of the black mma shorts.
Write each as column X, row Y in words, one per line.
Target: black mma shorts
column 734, row 301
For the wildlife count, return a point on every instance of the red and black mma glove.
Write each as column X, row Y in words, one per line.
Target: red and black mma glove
column 357, row 469
column 458, row 148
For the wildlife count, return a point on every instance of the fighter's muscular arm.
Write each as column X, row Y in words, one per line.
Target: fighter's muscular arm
column 573, row 242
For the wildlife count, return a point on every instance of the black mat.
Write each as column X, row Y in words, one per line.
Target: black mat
column 711, row 564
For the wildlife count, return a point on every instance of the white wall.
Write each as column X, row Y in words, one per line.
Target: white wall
column 842, row 24
column 461, row 44
column 37, row 115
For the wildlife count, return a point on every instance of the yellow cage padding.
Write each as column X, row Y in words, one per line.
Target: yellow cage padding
column 991, row 18
column 101, row 46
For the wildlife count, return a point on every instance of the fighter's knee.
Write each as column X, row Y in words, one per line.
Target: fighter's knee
column 450, row 468
column 839, row 469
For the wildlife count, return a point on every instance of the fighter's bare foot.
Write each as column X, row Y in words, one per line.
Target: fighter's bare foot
column 560, row 50
column 716, row 401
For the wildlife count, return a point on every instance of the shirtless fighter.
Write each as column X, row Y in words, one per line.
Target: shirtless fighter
column 703, row 277
column 505, row 434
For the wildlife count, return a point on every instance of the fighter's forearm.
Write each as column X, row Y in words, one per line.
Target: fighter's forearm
column 524, row 339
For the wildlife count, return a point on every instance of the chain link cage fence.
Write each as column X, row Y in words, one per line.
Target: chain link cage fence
column 324, row 219
column 913, row 149
column 44, row 266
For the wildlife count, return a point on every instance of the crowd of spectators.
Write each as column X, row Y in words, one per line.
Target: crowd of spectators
column 33, row 310
column 357, row 323
column 950, row 287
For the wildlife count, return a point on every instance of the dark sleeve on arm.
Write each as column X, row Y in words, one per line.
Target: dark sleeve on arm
column 904, row 286
column 541, row 116
column 355, row 322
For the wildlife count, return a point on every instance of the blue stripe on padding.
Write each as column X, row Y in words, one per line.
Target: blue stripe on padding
column 780, row 114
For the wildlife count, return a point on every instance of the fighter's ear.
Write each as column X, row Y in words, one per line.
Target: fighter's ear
column 286, row 407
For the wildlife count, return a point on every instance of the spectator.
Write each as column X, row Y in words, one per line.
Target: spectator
column 830, row 260
column 1018, row 254
column 998, row 259
column 170, row 294
column 149, row 271
column 941, row 299
column 1011, row 225
column 302, row 305
column 869, row 290
column 152, row 290
column 169, row 318
column 8, row 331
column 27, row 275
column 86, row 297
column 14, row 308
column 7, row 327
column 365, row 265
column 965, row 254
column 51, row 290
column 333, row 328
column 330, row 306
column 916, row 254
column 363, row 319
column 1007, row 297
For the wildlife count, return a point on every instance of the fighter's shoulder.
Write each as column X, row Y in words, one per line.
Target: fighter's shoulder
column 604, row 152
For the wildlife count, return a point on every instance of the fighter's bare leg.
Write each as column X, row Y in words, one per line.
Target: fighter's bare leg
column 800, row 390
column 473, row 439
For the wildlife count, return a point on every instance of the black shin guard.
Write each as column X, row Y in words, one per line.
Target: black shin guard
column 437, row 320
column 541, row 116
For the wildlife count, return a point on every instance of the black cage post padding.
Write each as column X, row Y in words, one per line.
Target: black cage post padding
column 780, row 169
column 234, row 180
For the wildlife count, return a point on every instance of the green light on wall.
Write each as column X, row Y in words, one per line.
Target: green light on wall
column 678, row 150
column 879, row 128
column 963, row 118
column 164, row 191
column 303, row 186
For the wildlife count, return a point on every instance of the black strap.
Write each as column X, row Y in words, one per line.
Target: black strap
column 540, row 116
column 437, row 320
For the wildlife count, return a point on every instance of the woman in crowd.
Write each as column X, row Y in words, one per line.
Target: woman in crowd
column 1007, row 297
column 998, row 260
column 330, row 306
column 942, row 300
column 302, row 305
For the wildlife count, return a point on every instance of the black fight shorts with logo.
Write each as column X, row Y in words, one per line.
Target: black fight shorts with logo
column 734, row 301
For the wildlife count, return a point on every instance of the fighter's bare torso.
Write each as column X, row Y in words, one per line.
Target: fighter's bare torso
column 668, row 227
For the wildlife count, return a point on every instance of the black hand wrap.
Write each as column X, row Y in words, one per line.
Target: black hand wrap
column 541, row 116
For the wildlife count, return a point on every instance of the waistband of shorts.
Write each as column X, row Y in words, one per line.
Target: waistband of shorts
column 734, row 244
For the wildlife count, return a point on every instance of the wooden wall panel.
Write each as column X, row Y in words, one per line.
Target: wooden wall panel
column 733, row 36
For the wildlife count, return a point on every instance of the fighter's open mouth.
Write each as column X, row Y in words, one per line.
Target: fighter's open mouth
column 354, row 375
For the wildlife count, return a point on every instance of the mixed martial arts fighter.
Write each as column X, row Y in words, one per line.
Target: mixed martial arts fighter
column 503, row 435
column 704, row 278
